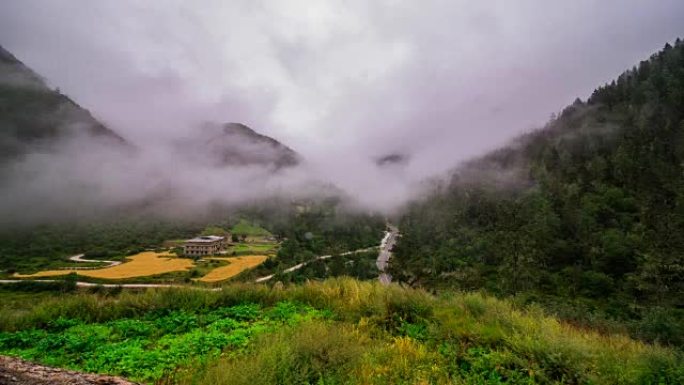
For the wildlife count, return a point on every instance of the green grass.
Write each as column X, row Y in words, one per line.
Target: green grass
column 214, row 230
column 340, row 331
column 249, row 229
column 154, row 346
column 252, row 248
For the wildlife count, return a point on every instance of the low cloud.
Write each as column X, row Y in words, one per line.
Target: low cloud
column 86, row 177
column 341, row 82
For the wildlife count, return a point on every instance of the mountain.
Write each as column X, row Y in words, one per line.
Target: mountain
column 235, row 144
column 393, row 159
column 585, row 212
column 33, row 117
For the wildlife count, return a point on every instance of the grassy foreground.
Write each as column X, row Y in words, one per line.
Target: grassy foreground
column 340, row 331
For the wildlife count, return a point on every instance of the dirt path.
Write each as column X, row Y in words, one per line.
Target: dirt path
column 14, row 371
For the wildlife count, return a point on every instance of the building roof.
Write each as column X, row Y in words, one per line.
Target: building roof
column 206, row 239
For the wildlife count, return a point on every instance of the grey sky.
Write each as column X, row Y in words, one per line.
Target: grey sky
column 341, row 82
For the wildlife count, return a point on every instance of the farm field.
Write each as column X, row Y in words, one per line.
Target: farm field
column 236, row 266
column 140, row 265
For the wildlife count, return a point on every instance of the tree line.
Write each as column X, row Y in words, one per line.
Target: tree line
column 587, row 211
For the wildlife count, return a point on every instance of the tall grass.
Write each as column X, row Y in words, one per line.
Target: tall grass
column 387, row 335
column 316, row 353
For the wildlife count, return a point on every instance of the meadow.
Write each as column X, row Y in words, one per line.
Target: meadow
column 340, row 331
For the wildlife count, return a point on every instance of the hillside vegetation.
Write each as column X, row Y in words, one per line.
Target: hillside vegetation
column 341, row 331
column 244, row 227
column 585, row 215
column 46, row 246
column 33, row 116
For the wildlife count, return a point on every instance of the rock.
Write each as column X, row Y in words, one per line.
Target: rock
column 20, row 372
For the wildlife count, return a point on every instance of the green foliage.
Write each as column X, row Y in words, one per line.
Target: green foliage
column 214, row 230
column 359, row 265
column 252, row 249
column 30, row 249
column 340, row 331
column 153, row 346
column 588, row 206
column 36, row 113
column 322, row 230
column 315, row 353
column 247, row 228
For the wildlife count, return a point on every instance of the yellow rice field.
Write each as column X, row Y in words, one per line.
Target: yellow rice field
column 236, row 266
column 140, row 265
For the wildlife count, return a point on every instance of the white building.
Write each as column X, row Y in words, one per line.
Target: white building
column 204, row 245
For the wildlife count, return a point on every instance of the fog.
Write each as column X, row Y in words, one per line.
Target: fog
column 343, row 83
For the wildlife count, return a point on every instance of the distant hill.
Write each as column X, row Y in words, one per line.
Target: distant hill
column 591, row 206
column 235, row 144
column 34, row 117
column 393, row 159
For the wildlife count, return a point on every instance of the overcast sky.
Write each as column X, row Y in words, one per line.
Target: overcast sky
column 341, row 82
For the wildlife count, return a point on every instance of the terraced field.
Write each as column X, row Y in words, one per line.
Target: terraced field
column 144, row 264
column 235, row 266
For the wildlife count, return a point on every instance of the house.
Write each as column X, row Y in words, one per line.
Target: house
column 204, row 245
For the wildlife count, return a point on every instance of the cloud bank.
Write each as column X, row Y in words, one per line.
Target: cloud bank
column 341, row 82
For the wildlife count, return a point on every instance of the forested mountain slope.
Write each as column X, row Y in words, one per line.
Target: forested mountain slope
column 589, row 208
column 34, row 117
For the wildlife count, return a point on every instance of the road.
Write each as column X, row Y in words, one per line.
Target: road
column 386, row 245
column 113, row 285
column 299, row 266
column 79, row 258
column 385, row 254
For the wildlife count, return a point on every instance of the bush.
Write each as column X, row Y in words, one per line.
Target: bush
column 662, row 326
column 98, row 254
column 595, row 284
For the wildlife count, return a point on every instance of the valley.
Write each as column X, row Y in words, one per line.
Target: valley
column 341, row 193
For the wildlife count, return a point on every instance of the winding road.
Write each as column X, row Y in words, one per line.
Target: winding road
column 386, row 245
column 299, row 266
column 79, row 258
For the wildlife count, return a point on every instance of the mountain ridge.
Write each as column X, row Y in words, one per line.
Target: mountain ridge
column 34, row 117
column 588, row 210
column 237, row 145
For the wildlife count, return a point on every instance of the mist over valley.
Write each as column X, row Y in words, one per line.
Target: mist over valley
column 341, row 192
